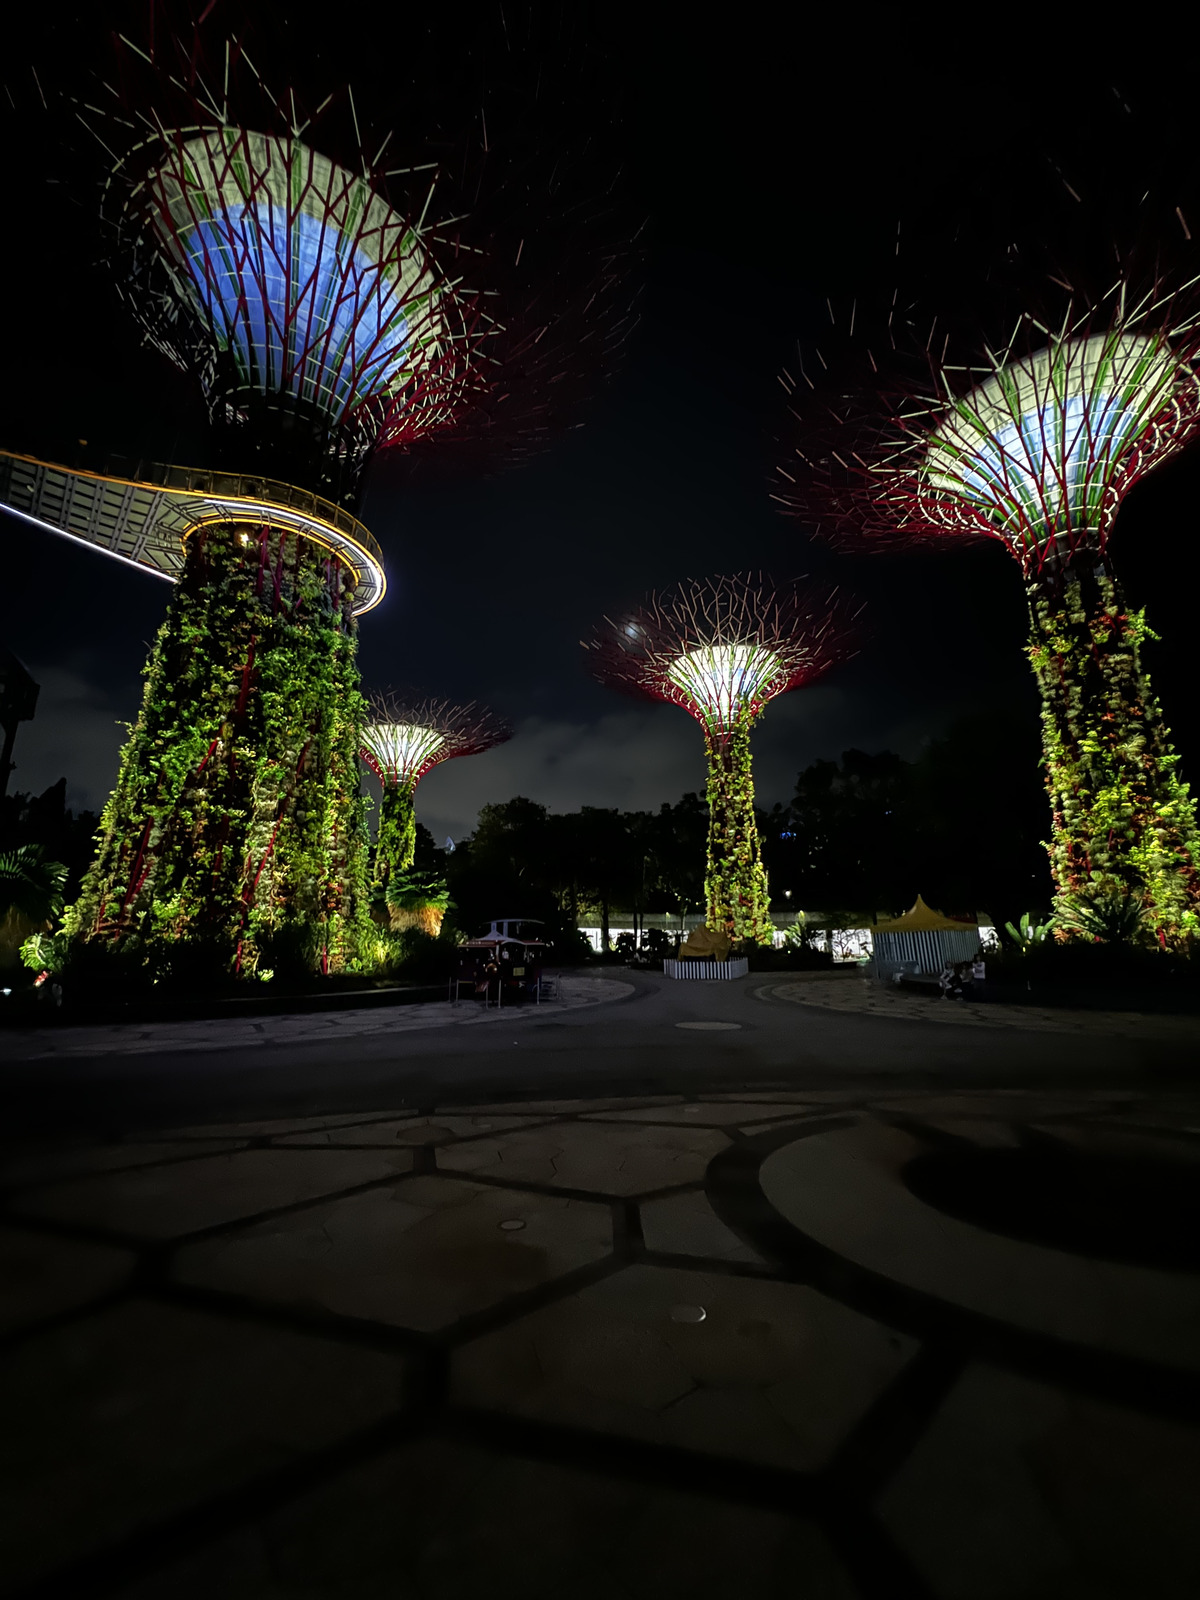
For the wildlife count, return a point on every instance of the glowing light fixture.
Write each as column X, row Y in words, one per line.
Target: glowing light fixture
column 1038, row 448
column 724, row 678
column 302, row 278
column 401, row 752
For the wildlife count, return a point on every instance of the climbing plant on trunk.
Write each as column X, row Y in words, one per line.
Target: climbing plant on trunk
column 1123, row 822
column 235, row 837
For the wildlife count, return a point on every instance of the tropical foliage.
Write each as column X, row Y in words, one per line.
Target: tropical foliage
column 1027, row 934
column 30, row 886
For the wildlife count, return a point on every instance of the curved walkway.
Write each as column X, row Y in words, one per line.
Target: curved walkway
column 864, row 997
column 294, row 1028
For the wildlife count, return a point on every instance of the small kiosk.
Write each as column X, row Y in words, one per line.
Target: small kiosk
column 920, row 943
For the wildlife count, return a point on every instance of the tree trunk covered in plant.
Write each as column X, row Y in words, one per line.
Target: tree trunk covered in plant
column 396, row 844
column 236, row 837
column 1124, row 847
column 735, row 883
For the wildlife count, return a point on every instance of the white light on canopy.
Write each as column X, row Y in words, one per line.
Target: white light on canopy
column 401, row 749
column 1038, row 444
column 721, row 679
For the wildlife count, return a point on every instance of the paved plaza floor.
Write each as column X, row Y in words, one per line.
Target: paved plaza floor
column 674, row 1289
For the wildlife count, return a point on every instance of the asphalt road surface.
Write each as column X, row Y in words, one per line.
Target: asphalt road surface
column 646, row 1041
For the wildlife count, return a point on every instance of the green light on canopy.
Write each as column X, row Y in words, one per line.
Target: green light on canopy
column 1039, row 445
column 401, row 752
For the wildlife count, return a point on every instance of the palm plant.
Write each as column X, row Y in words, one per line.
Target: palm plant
column 1027, row 934
column 30, row 886
column 1110, row 918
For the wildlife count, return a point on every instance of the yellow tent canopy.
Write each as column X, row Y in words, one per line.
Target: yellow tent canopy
column 922, row 919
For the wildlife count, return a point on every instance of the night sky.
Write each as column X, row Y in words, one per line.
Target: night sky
column 771, row 168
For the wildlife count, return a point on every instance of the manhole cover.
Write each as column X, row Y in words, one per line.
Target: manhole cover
column 1135, row 1210
column 709, row 1027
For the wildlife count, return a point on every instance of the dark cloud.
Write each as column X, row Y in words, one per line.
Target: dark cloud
column 77, row 734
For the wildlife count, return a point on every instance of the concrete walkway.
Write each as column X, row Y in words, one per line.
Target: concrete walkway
column 647, row 1347
column 641, row 1035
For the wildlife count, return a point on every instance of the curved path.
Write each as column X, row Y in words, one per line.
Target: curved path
column 641, row 1034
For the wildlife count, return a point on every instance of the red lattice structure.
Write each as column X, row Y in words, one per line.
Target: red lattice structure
column 723, row 648
column 319, row 316
column 1034, row 442
column 394, row 331
column 407, row 735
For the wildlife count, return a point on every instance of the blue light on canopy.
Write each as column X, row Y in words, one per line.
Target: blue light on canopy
column 296, row 267
column 1037, row 446
column 300, row 310
column 1046, row 460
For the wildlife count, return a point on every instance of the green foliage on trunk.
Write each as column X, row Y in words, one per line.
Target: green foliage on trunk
column 735, row 882
column 1124, row 846
column 235, row 838
column 396, row 844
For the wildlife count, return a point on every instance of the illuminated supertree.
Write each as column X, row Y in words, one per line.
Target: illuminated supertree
column 405, row 738
column 1035, row 445
column 722, row 649
column 262, row 252
column 314, row 316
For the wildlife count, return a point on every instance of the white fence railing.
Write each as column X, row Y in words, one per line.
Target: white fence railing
column 710, row 970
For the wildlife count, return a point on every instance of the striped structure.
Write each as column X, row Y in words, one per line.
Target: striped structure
column 707, row 970
column 922, row 952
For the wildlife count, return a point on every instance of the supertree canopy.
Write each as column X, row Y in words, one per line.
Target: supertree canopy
column 722, row 649
column 1035, row 445
column 405, row 737
column 314, row 315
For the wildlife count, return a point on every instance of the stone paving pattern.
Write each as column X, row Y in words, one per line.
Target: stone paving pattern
column 566, row 1349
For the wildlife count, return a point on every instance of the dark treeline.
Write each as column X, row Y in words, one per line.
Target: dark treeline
column 45, row 821
column 523, row 860
column 960, row 824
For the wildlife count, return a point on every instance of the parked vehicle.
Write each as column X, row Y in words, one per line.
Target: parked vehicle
column 505, row 965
